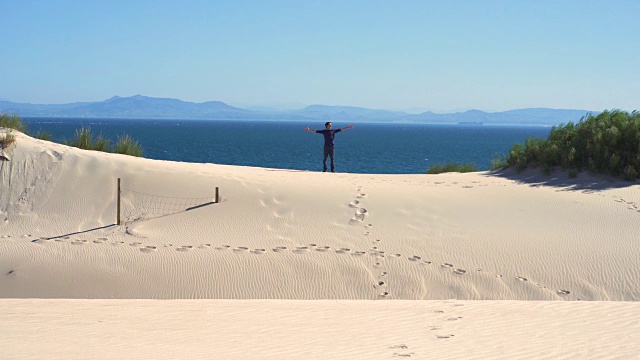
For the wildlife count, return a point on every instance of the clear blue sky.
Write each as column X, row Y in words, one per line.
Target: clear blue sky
column 442, row 55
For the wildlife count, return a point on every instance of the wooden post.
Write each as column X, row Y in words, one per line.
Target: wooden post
column 118, row 201
column 217, row 195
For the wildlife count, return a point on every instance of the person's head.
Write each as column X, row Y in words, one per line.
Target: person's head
column 327, row 125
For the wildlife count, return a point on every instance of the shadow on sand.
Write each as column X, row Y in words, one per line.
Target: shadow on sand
column 81, row 232
column 585, row 181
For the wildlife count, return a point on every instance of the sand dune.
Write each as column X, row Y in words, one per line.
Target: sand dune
column 298, row 235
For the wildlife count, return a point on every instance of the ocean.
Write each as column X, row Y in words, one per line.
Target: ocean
column 369, row 148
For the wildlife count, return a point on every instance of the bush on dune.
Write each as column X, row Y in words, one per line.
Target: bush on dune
column 607, row 143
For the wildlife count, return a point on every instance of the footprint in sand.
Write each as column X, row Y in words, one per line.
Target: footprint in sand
column 395, row 255
column 354, row 204
column 41, row 240
column 116, row 243
column 222, row 247
column 384, row 294
column 563, row 292
column 241, row 249
column 184, row 248
column 100, row 240
column 358, row 253
column 368, row 226
column 343, row 250
column 148, row 249
column 204, row 246
column 135, row 244
column 361, row 212
column 414, row 258
column 78, row 242
column 377, row 265
column 403, row 355
column 520, row 278
column 384, row 273
column 258, row 251
column 279, row 249
column 361, row 196
column 323, row 248
column 301, row 250
column 444, row 336
column 447, row 265
column 426, row 262
column 167, row 245
column 459, row 271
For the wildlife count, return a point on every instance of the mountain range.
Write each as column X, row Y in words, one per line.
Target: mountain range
column 144, row 107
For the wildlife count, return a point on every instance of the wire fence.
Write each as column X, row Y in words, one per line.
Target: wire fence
column 139, row 206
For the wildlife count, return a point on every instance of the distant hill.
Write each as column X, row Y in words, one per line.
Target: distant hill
column 144, row 107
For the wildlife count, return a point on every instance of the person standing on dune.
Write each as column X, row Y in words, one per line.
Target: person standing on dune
column 328, row 143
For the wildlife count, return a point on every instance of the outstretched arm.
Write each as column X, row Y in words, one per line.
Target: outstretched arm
column 346, row 128
column 309, row 130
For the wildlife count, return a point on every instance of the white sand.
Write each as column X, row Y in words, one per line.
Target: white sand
column 277, row 234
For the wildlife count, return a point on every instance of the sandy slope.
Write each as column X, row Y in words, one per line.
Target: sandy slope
column 297, row 235
column 317, row 329
column 463, row 236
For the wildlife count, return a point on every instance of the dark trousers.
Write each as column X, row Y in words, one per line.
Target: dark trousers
column 328, row 151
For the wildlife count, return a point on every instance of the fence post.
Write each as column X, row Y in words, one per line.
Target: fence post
column 118, row 201
column 217, row 195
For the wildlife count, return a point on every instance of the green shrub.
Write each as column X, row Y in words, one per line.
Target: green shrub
column 12, row 122
column 452, row 167
column 126, row 145
column 606, row 143
column 499, row 162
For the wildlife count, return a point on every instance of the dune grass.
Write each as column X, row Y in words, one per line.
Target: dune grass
column 43, row 135
column 84, row 138
column 126, row 145
column 12, row 122
column 451, row 167
column 6, row 140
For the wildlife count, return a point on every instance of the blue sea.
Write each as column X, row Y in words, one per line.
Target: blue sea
column 369, row 148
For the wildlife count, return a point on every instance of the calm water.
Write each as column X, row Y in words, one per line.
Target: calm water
column 368, row 148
